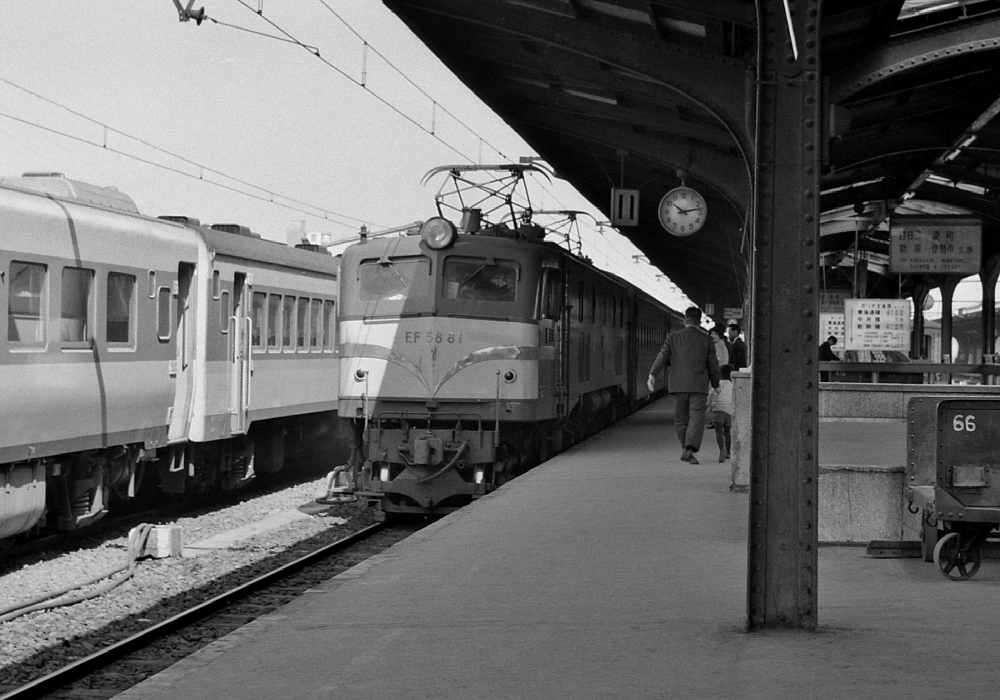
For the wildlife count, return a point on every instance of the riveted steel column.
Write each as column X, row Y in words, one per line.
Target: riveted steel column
column 781, row 576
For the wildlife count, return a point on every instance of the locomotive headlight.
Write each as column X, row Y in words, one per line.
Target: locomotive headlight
column 509, row 376
column 478, row 475
column 438, row 233
column 360, row 374
column 383, row 473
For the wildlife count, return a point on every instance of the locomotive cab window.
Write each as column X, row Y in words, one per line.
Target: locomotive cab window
column 394, row 279
column 480, row 279
column 120, row 309
column 26, row 304
column 76, row 317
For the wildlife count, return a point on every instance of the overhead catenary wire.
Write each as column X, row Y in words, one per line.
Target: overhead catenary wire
column 266, row 196
column 315, row 52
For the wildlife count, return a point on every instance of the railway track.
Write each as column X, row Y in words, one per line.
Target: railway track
column 108, row 671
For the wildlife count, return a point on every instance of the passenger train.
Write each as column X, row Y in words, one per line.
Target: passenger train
column 144, row 354
column 156, row 350
column 471, row 354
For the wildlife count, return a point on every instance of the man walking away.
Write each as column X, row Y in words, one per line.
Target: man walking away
column 737, row 348
column 692, row 366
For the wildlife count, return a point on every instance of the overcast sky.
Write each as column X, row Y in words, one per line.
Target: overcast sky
column 261, row 115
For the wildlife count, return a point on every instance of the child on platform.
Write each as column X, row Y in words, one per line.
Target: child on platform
column 720, row 404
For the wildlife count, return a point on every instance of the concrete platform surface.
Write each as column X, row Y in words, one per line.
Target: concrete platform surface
column 613, row 571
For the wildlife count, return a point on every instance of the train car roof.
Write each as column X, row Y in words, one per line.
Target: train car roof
column 61, row 187
column 248, row 247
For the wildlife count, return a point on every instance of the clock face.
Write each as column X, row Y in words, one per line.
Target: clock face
column 682, row 211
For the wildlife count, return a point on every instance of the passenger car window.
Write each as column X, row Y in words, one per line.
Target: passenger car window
column 273, row 319
column 76, row 324
column 259, row 308
column 329, row 325
column 315, row 324
column 479, row 279
column 287, row 322
column 120, row 307
column 303, row 324
column 26, row 303
column 163, row 321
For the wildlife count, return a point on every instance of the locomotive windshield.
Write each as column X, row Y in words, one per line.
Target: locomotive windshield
column 395, row 279
column 480, row 279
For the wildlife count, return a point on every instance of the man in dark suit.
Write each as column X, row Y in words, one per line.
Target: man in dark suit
column 738, row 351
column 689, row 355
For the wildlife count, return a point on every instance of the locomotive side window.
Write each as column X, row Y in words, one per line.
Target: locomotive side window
column 273, row 320
column 395, row 279
column 26, row 304
column 551, row 294
column 259, row 318
column 163, row 319
column 76, row 322
column 120, row 307
column 315, row 324
column 480, row 279
column 303, row 325
column 287, row 322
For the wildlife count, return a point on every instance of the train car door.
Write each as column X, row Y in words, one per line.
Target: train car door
column 183, row 367
column 240, row 353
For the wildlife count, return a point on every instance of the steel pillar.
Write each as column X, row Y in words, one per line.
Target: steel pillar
column 781, row 573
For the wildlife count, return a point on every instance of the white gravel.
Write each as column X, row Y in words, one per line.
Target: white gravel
column 42, row 641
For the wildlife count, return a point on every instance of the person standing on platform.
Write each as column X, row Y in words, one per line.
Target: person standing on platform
column 720, row 401
column 826, row 354
column 689, row 355
column 737, row 348
column 718, row 336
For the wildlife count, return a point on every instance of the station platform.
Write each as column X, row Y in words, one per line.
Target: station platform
column 614, row 570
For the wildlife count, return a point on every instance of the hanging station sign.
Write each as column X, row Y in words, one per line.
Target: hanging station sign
column 936, row 244
column 877, row 324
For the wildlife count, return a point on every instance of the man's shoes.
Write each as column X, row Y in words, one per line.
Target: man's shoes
column 689, row 457
column 723, row 456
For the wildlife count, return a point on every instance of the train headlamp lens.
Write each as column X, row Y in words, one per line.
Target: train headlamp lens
column 360, row 374
column 438, row 233
column 509, row 376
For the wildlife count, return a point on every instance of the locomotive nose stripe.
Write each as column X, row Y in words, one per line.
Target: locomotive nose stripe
column 499, row 352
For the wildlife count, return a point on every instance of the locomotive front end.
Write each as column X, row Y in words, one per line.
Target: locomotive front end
column 439, row 357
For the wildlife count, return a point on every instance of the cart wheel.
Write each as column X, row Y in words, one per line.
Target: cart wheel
column 954, row 562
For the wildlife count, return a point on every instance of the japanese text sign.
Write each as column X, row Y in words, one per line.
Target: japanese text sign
column 941, row 244
column 877, row 324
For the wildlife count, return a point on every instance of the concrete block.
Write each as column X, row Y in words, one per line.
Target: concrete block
column 164, row 541
column 860, row 401
column 858, row 504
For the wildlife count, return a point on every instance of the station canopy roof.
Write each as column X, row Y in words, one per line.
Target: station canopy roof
column 642, row 94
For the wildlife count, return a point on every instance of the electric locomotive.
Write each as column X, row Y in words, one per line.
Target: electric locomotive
column 470, row 355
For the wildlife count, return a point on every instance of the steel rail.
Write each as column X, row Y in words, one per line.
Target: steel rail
column 124, row 647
